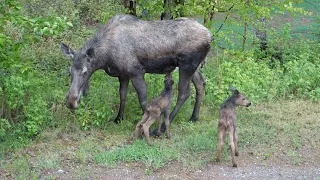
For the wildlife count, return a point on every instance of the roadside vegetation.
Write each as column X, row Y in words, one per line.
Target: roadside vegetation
column 38, row 134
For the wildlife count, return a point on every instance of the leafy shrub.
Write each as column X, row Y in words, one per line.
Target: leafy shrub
column 98, row 11
column 301, row 78
column 242, row 71
column 22, row 86
column 150, row 9
column 48, row 8
column 98, row 107
column 4, row 127
column 36, row 112
column 52, row 26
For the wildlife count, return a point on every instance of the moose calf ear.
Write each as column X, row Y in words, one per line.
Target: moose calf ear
column 66, row 50
column 236, row 92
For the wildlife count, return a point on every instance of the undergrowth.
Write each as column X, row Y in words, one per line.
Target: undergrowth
column 35, row 78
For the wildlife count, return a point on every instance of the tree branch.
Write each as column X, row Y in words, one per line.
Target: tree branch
column 225, row 19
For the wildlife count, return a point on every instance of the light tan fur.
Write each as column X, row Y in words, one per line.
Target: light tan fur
column 227, row 124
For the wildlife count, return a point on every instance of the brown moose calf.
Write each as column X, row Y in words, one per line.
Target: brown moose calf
column 154, row 109
column 227, row 122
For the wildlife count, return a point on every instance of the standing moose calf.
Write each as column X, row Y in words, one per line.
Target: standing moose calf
column 155, row 108
column 227, row 123
column 127, row 48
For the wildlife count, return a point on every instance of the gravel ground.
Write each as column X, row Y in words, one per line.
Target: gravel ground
column 247, row 169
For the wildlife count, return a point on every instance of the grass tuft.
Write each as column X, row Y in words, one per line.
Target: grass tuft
column 155, row 156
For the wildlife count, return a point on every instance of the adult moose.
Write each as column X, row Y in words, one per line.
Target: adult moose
column 127, row 48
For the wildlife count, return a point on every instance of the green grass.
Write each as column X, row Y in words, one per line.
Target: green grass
column 272, row 130
column 155, row 156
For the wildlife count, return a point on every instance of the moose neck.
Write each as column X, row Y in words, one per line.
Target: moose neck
column 229, row 103
column 167, row 92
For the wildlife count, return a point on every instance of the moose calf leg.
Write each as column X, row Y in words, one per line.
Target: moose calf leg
column 146, row 126
column 167, row 123
column 138, row 131
column 159, row 125
column 236, row 142
column 232, row 148
column 220, row 143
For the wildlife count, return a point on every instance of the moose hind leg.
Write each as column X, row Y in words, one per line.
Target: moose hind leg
column 138, row 130
column 146, row 126
column 221, row 136
column 232, row 145
column 236, row 142
column 199, row 84
column 167, row 122
column 159, row 125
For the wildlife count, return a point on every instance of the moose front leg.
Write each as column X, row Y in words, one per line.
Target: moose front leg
column 123, row 89
column 140, row 86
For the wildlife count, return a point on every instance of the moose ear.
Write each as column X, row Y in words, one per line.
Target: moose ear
column 90, row 53
column 66, row 50
column 231, row 88
column 236, row 92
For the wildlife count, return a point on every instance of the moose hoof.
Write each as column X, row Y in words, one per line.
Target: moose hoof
column 218, row 159
column 117, row 120
column 234, row 165
column 155, row 133
column 193, row 119
column 237, row 153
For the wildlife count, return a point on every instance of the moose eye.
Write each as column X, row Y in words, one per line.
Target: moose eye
column 243, row 98
column 84, row 73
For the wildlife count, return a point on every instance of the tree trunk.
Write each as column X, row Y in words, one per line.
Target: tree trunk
column 180, row 10
column 208, row 17
column 131, row 6
column 245, row 28
column 167, row 6
column 244, row 35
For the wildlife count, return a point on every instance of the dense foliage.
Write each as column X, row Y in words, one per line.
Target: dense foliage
column 34, row 74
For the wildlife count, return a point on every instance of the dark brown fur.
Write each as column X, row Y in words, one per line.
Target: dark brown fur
column 227, row 123
column 154, row 109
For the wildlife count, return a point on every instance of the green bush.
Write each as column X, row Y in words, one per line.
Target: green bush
column 4, row 127
column 34, row 75
column 23, row 85
column 240, row 69
column 98, row 11
column 301, row 76
column 36, row 112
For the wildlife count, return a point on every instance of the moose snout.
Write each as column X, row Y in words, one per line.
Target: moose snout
column 72, row 102
column 249, row 104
